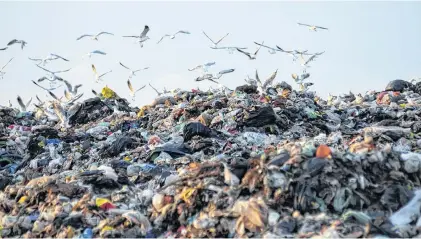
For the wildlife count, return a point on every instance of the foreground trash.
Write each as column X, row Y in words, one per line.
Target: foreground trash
column 243, row 163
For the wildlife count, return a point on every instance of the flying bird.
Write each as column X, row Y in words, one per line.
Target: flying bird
column 142, row 37
column 304, row 63
column 46, row 89
column 290, row 53
column 98, row 77
column 312, row 27
column 215, row 44
column 52, row 75
column 94, row 52
column 230, row 49
column 172, row 36
column 271, row 50
column 133, row 72
column 212, row 77
column 157, row 92
column 203, row 67
column 50, row 57
column 95, row 37
column 15, row 41
column 2, row 72
column 23, row 106
column 132, row 90
column 71, row 89
column 250, row 56
column 299, row 79
column 305, row 86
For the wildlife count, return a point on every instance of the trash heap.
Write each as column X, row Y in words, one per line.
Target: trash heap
column 221, row 163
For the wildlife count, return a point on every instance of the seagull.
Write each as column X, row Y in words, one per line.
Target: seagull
column 72, row 90
column 312, row 28
column 203, row 67
column 215, row 44
column 212, row 77
column 133, row 72
column 50, row 89
column 52, row 75
column 2, row 73
column 305, row 86
column 98, row 77
column 223, row 72
column 304, row 63
column 50, row 57
column 94, row 37
column 271, row 50
column 299, row 79
column 132, row 91
column 291, row 53
column 142, row 37
column 10, row 104
column 21, row 42
column 250, row 81
column 94, row 52
column 172, row 36
column 157, row 92
column 251, row 56
column 230, row 49
column 22, row 105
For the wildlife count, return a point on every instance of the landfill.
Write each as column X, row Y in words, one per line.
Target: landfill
column 251, row 162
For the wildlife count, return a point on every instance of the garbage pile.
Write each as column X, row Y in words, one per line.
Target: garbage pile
column 217, row 163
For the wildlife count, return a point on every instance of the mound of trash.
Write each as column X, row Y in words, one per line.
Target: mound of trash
column 250, row 162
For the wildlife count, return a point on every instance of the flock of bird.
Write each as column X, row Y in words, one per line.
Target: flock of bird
column 71, row 92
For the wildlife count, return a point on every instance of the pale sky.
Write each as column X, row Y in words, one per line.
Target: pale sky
column 367, row 44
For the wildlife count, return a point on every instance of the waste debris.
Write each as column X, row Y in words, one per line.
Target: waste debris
column 253, row 162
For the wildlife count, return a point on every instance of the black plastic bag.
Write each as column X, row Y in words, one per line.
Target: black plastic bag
column 195, row 128
column 261, row 117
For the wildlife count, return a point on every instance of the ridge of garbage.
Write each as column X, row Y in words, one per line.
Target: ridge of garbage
column 250, row 162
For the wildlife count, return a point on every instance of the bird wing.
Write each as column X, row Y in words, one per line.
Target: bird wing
column 12, row 42
column 64, row 59
column 124, row 66
column 76, row 87
column 68, row 85
column 86, row 35
column 67, row 95
column 257, row 78
column 44, row 69
column 62, row 71
column 166, row 35
column 210, row 38
column 39, row 85
column 302, row 24
column 59, row 111
column 226, row 71
column 28, row 103
column 40, row 101
column 98, row 52
column 195, row 68
column 34, row 59
column 140, row 88
column 7, row 63
column 42, row 79
column 222, row 38
column 53, row 95
column 129, row 84
column 245, row 53
column 181, row 31
column 268, row 47
column 20, row 102
column 94, row 69
column 132, row 36
column 154, row 89
column 145, row 31
column 321, row 27
column 270, row 79
column 104, row 74
column 102, row 33
column 2, row 49
column 258, row 49
column 310, row 59
column 94, row 92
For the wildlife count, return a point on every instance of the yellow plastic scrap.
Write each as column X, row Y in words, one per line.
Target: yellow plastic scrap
column 106, row 228
column 127, row 158
column 187, row 193
column 23, row 199
column 101, row 201
column 107, row 92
